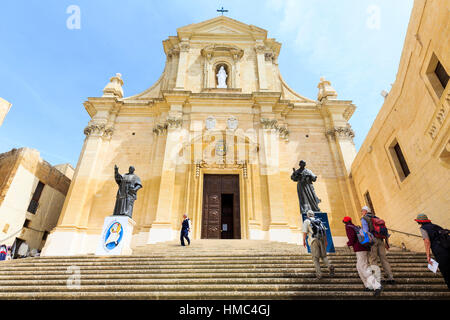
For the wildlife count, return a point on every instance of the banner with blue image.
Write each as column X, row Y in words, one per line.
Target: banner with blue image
column 324, row 218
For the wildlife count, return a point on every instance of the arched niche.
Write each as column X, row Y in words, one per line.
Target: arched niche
column 221, row 54
column 228, row 70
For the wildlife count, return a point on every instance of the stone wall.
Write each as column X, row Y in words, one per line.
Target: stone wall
column 20, row 172
column 414, row 114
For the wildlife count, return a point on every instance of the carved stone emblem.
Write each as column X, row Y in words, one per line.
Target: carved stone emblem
column 210, row 123
column 232, row 123
column 221, row 148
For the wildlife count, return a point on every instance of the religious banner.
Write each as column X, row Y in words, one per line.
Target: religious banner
column 116, row 236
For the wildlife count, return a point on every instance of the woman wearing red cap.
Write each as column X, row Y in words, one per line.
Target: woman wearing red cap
column 362, row 258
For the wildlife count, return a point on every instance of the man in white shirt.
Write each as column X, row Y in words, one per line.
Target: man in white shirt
column 318, row 245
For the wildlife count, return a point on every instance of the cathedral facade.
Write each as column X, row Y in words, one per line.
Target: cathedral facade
column 216, row 138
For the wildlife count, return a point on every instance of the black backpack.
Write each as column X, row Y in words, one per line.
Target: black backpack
column 319, row 230
column 443, row 238
column 440, row 236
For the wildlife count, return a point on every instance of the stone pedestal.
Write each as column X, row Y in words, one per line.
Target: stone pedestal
column 116, row 236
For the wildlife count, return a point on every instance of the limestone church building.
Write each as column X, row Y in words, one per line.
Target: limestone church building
column 216, row 137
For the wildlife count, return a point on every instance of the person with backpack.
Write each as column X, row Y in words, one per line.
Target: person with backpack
column 316, row 232
column 185, row 228
column 438, row 240
column 3, row 252
column 376, row 226
column 362, row 257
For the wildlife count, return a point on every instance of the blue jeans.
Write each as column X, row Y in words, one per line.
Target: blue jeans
column 184, row 234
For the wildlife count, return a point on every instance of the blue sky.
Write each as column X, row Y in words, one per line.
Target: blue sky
column 47, row 70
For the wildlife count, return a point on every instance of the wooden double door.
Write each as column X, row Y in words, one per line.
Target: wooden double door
column 221, row 218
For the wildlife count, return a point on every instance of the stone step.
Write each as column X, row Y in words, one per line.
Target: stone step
column 421, row 276
column 229, row 295
column 202, row 267
column 199, row 258
column 212, row 269
column 60, row 281
column 203, row 264
column 220, row 287
column 197, row 255
column 209, row 274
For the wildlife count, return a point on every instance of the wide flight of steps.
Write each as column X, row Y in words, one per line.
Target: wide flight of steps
column 211, row 269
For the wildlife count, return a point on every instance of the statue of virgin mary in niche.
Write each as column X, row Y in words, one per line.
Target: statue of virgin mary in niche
column 222, row 78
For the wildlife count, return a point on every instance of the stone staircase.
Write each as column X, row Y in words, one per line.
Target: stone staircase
column 211, row 269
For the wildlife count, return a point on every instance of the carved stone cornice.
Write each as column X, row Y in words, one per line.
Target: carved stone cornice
column 269, row 123
column 174, row 122
column 269, row 56
column 214, row 165
column 175, row 51
column 284, row 132
column 99, row 130
column 218, row 50
column 170, row 123
column 260, row 48
column 184, row 46
column 160, row 129
column 273, row 124
column 341, row 132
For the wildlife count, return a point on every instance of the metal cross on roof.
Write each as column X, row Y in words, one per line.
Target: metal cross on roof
column 221, row 10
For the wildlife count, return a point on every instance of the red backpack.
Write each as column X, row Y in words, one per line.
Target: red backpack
column 379, row 228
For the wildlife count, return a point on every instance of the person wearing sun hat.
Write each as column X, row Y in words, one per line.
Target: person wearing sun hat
column 430, row 234
column 362, row 258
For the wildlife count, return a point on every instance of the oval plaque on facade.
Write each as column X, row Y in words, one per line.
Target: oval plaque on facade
column 232, row 123
column 210, row 123
column 221, row 148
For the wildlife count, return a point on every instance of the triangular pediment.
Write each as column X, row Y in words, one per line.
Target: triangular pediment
column 222, row 29
column 222, row 26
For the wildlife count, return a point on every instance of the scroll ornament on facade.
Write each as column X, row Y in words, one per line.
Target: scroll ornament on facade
column 98, row 130
column 273, row 124
column 342, row 132
column 170, row 123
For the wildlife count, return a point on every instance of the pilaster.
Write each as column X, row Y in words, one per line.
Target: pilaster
column 269, row 165
column 182, row 65
column 260, row 51
column 162, row 229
